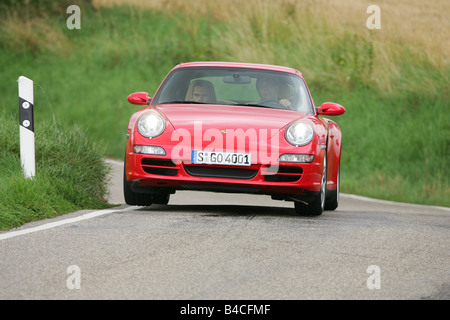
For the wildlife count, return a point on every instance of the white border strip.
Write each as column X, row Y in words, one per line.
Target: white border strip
column 50, row 225
column 94, row 214
column 404, row 204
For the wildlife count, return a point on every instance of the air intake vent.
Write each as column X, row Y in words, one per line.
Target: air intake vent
column 217, row 172
column 160, row 167
column 285, row 174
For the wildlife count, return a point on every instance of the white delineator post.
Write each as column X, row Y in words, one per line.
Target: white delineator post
column 27, row 151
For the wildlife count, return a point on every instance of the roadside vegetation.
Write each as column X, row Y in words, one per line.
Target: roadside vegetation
column 394, row 82
column 70, row 173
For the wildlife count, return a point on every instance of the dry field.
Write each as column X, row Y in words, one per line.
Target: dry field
column 301, row 34
column 421, row 24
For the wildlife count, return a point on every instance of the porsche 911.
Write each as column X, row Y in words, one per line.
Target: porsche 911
column 235, row 128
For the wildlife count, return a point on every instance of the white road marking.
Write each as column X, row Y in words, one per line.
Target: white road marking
column 405, row 204
column 50, row 225
column 12, row 234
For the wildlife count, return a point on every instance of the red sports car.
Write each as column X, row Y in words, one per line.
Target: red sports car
column 233, row 127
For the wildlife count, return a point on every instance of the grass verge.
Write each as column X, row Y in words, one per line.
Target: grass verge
column 70, row 173
column 393, row 81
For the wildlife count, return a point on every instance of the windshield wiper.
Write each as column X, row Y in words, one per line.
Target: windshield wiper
column 255, row 105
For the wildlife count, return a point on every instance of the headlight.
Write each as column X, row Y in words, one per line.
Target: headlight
column 299, row 133
column 151, row 125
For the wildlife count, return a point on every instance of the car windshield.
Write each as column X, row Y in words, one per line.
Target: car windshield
column 235, row 86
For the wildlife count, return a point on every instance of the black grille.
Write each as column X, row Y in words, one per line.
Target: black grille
column 161, row 171
column 158, row 162
column 285, row 174
column 160, row 167
column 281, row 178
column 284, row 169
column 218, row 172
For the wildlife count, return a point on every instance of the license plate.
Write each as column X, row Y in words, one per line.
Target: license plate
column 223, row 158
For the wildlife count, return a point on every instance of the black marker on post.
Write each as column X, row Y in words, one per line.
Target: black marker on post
column 27, row 151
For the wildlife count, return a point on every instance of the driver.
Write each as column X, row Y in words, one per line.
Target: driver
column 268, row 90
column 203, row 91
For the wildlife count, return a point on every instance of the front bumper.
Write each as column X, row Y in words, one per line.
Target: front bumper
column 148, row 173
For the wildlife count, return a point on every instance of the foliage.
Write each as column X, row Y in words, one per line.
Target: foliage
column 393, row 82
column 70, row 173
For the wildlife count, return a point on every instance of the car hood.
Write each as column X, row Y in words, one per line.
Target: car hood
column 223, row 117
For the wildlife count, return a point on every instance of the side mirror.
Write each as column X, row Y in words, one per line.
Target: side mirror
column 139, row 98
column 330, row 109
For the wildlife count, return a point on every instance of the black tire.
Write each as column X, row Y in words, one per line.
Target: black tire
column 133, row 198
column 317, row 205
column 161, row 198
column 332, row 199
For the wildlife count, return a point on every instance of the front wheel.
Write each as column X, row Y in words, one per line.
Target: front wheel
column 162, row 198
column 133, row 198
column 317, row 205
column 332, row 199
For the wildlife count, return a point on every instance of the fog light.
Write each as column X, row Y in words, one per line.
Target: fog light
column 304, row 158
column 149, row 150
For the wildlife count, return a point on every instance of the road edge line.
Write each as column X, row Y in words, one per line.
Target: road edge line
column 405, row 204
column 50, row 225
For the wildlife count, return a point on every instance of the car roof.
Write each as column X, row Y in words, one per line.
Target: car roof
column 237, row 65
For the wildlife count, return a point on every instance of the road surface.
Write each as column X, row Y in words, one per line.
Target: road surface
column 227, row 246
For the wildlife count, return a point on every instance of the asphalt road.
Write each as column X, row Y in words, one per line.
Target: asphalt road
column 227, row 246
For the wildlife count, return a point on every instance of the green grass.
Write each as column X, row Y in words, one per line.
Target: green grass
column 396, row 147
column 117, row 52
column 70, row 173
column 396, row 129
